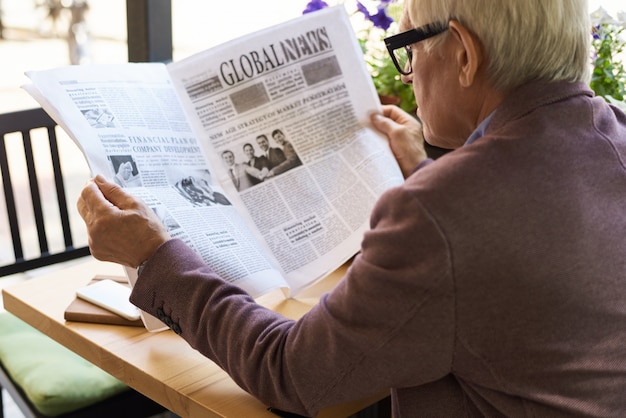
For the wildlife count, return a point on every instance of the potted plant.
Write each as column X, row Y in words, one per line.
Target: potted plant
column 609, row 75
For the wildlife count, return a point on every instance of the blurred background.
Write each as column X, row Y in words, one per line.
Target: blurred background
column 35, row 32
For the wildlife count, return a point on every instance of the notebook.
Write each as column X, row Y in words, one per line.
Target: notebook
column 82, row 311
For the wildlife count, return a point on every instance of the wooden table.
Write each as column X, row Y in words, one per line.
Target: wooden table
column 160, row 365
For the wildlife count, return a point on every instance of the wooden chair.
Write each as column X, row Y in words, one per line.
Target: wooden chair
column 17, row 132
column 22, row 123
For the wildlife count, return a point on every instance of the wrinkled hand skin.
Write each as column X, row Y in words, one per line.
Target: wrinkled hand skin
column 405, row 136
column 121, row 228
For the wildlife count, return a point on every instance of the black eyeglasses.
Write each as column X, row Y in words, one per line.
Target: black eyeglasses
column 399, row 46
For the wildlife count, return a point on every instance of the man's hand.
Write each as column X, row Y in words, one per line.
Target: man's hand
column 405, row 137
column 121, row 228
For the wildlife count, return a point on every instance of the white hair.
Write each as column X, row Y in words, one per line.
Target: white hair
column 525, row 40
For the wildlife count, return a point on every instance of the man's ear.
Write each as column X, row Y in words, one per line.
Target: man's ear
column 469, row 54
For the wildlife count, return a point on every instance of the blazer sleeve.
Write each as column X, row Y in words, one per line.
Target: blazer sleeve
column 388, row 323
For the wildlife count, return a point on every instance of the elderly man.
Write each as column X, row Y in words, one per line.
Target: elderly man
column 492, row 283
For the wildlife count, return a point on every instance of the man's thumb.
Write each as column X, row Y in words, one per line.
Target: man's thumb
column 111, row 191
column 383, row 124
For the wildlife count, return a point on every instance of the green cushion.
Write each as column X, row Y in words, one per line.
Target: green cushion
column 55, row 379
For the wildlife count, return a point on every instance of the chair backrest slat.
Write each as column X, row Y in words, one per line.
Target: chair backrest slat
column 35, row 197
column 10, row 203
column 23, row 123
column 60, row 188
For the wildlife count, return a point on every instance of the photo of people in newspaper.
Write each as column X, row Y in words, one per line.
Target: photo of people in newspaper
column 242, row 175
column 270, row 162
column 126, row 173
column 260, row 163
column 290, row 160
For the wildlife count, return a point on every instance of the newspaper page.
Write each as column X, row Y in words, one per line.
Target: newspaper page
column 283, row 115
column 128, row 121
column 256, row 153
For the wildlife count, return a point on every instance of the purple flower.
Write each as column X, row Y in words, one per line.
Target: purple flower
column 596, row 32
column 380, row 19
column 362, row 9
column 314, row 5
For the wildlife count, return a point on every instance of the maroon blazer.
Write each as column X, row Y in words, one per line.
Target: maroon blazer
column 492, row 283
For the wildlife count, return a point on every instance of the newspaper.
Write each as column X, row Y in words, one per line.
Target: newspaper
column 256, row 153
